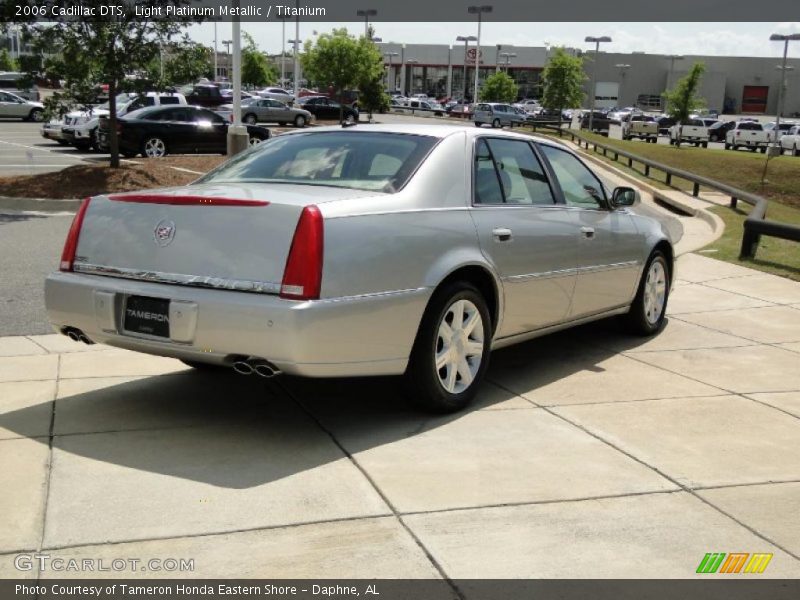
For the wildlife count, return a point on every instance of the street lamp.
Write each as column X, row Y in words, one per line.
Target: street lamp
column 366, row 13
column 412, row 62
column 777, row 37
column 478, row 10
column 622, row 69
column 596, row 41
column 295, row 42
column 508, row 56
column 466, row 39
column 283, row 17
column 389, row 72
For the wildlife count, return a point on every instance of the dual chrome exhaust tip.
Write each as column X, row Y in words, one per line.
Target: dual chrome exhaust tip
column 259, row 366
column 76, row 335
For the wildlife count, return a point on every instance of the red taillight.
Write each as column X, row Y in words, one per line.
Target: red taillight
column 71, row 245
column 302, row 276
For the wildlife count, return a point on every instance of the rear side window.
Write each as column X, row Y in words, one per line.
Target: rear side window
column 381, row 162
column 169, row 100
column 751, row 126
column 518, row 176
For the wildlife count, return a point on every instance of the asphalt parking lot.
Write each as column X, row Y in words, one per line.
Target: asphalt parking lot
column 23, row 150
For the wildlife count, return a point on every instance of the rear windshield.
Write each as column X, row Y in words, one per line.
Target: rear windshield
column 751, row 126
column 360, row 160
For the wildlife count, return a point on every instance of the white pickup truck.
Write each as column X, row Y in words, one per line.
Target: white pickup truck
column 640, row 126
column 694, row 131
column 748, row 134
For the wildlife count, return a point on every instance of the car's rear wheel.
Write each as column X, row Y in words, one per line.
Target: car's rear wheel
column 649, row 308
column 154, row 147
column 496, row 123
column 300, row 121
column 478, row 124
column 451, row 352
column 250, row 119
column 796, row 151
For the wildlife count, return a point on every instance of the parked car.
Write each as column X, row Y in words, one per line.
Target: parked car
column 17, row 107
column 664, row 123
column 718, row 131
column 423, row 107
column 747, row 134
column 497, row 114
column 640, row 126
column 618, row 115
column 53, row 130
column 600, row 122
column 775, row 134
column 206, row 95
column 80, row 127
column 790, row 141
column 277, row 94
column 158, row 131
column 317, row 278
column 268, row 110
column 323, row 107
column 694, row 132
column 528, row 105
column 15, row 83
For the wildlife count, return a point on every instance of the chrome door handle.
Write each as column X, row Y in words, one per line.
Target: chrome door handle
column 502, row 234
column 587, row 232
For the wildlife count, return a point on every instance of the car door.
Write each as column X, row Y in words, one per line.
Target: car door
column 277, row 111
column 529, row 239
column 179, row 129
column 11, row 106
column 609, row 246
column 210, row 131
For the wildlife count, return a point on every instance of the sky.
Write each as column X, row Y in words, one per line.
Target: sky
column 721, row 39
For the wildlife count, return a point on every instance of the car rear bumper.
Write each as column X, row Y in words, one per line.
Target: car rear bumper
column 343, row 337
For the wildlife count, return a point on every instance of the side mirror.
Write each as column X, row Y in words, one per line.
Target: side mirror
column 625, row 196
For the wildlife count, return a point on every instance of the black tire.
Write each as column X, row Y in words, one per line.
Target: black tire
column 36, row 115
column 422, row 379
column 299, row 121
column 763, row 149
column 796, row 151
column 62, row 142
column 281, row 124
column 128, row 153
column 478, row 124
column 250, row 119
column 496, row 124
column 727, row 146
column 153, row 140
column 704, row 144
column 636, row 319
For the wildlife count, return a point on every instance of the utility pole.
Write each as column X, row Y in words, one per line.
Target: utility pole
column 596, row 41
column 478, row 10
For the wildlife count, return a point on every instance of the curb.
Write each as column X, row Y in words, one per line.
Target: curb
column 39, row 204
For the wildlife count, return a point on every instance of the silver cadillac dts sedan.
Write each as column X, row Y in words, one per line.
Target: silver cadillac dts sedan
column 368, row 250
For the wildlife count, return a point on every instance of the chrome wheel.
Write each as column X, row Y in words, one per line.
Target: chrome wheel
column 254, row 141
column 300, row 121
column 37, row 115
column 155, row 148
column 655, row 292
column 459, row 346
column 250, row 119
column 349, row 119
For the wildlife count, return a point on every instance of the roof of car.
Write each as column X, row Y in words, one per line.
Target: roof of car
column 433, row 130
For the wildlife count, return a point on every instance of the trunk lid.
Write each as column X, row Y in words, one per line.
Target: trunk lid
column 231, row 236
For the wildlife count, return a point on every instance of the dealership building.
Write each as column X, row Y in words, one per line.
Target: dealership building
column 730, row 84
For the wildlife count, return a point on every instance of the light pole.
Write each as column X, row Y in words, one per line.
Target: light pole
column 596, row 41
column 412, row 62
column 227, row 44
column 238, row 139
column 389, row 72
column 366, row 13
column 283, row 19
column 294, row 44
column 777, row 37
column 478, row 10
column 215, row 51
column 622, row 70
column 508, row 56
column 466, row 39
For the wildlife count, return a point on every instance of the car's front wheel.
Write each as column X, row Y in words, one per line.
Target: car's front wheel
column 300, row 121
column 796, row 151
column 154, row 147
column 451, row 352
column 36, row 115
column 649, row 308
column 496, row 124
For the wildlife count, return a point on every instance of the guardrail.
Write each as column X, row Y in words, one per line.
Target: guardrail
column 755, row 225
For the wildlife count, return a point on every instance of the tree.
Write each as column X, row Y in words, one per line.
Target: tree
column 499, row 88
column 563, row 79
column 184, row 62
column 6, row 62
column 682, row 100
column 256, row 68
column 340, row 60
column 104, row 50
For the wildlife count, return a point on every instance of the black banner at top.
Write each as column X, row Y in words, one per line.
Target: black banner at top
column 407, row 10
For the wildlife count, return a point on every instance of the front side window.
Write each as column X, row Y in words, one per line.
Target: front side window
column 580, row 186
column 381, row 162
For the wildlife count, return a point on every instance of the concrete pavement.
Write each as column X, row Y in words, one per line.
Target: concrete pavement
column 588, row 454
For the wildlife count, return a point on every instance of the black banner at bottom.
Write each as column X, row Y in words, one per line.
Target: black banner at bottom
column 404, row 589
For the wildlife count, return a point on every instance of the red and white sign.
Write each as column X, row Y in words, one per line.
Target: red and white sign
column 471, row 53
